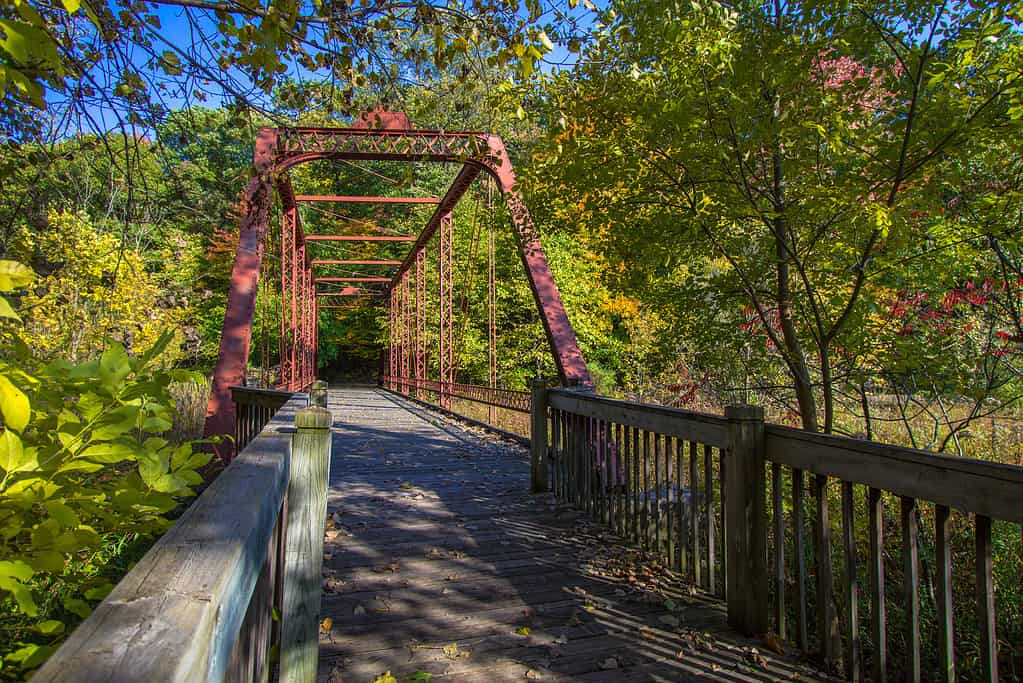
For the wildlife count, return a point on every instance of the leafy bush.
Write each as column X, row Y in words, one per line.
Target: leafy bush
column 84, row 473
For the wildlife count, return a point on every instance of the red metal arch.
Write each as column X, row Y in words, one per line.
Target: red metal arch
column 277, row 150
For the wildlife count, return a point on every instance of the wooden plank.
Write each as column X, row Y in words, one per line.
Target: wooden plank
column 176, row 615
column 683, row 424
column 943, row 578
column 977, row 486
column 553, row 575
column 878, row 624
column 986, row 601
column 307, row 508
column 911, row 585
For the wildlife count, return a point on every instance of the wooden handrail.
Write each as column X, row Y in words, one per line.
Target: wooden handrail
column 201, row 604
column 663, row 477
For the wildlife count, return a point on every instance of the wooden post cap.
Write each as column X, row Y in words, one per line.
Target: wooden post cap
column 313, row 417
column 744, row 412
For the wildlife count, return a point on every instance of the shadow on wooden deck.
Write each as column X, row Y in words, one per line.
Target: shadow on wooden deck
column 441, row 563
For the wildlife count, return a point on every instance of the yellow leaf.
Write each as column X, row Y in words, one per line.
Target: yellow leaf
column 326, row 624
column 522, row 630
column 385, row 678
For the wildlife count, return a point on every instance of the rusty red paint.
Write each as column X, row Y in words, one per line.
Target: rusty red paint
column 379, row 135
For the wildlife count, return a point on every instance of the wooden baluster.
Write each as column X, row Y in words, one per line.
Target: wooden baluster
column 605, row 466
column 911, row 585
column 708, row 513
column 538, row 438
column 646, row 490
column 946, row 631
column 986, row 601
column 683, row 528
column 592, row 430
column 827, row 620
column 694, row 513
column 657, row 492
column 852, row 594
column 779, row 549
column 621, row 510
column 670, row 498
column 799, row 548
column 636, row 516
column 571, row 426
column 878, row 627
column 554, row 451
column 722, row 488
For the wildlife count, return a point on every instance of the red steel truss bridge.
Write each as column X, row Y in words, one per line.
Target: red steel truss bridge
column 630, row 542
column 305, row 288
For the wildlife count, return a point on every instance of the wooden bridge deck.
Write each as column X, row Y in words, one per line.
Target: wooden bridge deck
column 442, row 562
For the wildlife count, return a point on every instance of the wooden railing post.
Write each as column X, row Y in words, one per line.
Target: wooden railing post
column 746, row 521
column 318, row 394
column 538, row 437
column 306, row 512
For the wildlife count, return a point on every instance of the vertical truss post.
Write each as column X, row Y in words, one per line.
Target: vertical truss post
column 406, row 346
column 306, row 308
column 447, row 341
column 302, row 315
column 420, row 340
column 491, row 308
column 392, row 348
column 296, row 302
column 236, row 334
column 287, row 291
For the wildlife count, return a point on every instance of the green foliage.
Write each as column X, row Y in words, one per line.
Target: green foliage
column 82, row 459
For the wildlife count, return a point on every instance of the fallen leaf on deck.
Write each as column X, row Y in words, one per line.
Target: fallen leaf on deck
column 326, row 624
column 405, row 485
column 385, row 678
column 522, row 631
column 534, row 675
column 451, row 651
column 773, row 643
column 419, row 676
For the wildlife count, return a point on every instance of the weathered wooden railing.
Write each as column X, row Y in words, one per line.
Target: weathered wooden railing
column 440, row 395
column 233, row 588
column 253, row 409
column 694, row 488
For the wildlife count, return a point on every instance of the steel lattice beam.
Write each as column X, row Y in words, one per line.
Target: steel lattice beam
column 365, row 200
column 354, row 262
column 360, row 238
column 353, row 279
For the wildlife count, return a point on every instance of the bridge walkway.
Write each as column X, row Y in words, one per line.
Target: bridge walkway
column 440, row 562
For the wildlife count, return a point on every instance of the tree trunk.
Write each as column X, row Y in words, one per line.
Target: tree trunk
column 793, row 346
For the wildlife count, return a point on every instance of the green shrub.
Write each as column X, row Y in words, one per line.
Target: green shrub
column 85, row 477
